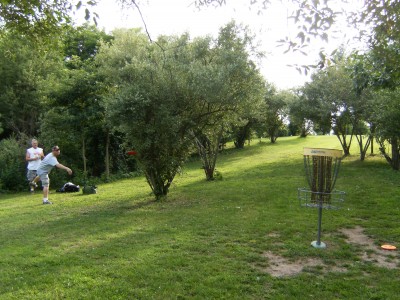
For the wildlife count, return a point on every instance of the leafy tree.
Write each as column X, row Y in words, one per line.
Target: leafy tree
column 376, row 22
column 364, row 125
column 77, row 104
column 22, row 66
column 208, row 146
column 384, row 40
column 364, row 138
column 12, row 164
column 75, row 96
column 276, row 112
column 83, row 41
column 37, row 19
column 151, row 104
column 316, row 18
column 333, row 98
column 239, row 83
column 227, row 86
column 248, row 118
column 242, row 131
column 243, row 84
column 386, row 112
column 300, row 116
column 379, row 69
column 338, row 94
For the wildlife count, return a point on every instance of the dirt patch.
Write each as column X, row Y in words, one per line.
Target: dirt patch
column 372, row 253
column 273, row 235
column 278, row 266
column 281, row 267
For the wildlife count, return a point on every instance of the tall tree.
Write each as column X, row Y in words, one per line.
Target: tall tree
column 151, row 103
column 364, row 126
column 300, row 116
column 386, row 115
column 276, row 112
column 23, row 65
column 332, row 95
column 75, row 94
column 231, row 85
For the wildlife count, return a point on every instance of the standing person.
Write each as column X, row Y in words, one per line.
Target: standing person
column 47, row 164
column 34, row 157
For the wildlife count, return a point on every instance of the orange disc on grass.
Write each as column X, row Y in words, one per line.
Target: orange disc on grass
column 388, row 247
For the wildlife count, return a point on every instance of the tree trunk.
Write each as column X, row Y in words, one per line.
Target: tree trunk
column 395, row 154
column 158, row 185
column 84, row 156
column 372, row 144
column 242, row 135
column 303, row 132
column 372, row 136
column 273, row 134
column 304, row 129
column 363, row 148
column 107, row 158
column 208, row 152
column 394, row 161
column 343, row 141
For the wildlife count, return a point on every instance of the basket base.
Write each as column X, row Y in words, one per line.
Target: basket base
column 321, row 245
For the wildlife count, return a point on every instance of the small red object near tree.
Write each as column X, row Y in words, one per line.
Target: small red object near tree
column 132, row 152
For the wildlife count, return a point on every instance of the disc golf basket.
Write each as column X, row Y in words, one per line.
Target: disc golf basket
column 322, row 168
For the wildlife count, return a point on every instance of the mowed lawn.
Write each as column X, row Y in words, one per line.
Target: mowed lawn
column 242, row 237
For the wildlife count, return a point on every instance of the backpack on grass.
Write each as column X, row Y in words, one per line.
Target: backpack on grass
column 69, row 187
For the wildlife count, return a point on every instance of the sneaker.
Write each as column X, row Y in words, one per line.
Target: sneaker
column 47, row 202
column 33, row 184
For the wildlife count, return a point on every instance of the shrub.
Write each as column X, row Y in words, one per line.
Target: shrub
column 12, row 165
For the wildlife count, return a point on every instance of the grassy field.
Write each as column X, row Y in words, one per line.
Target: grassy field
column 242, row 237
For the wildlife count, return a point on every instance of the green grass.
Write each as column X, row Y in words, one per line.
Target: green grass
column 208, row 239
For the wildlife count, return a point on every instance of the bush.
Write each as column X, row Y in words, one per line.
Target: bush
column 12, row 165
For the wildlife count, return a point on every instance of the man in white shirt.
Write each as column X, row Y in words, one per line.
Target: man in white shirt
column 33, row 156
column 47, row 164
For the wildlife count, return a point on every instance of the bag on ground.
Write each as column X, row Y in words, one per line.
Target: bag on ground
column 89, row 189
column 69, row 187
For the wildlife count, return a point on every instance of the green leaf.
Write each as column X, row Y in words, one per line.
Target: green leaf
column 87, row 14
column 322, row 55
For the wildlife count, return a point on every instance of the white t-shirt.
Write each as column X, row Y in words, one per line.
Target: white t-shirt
column 47, row 164
column 34, row 164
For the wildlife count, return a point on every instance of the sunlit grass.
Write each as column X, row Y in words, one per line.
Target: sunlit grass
column 207, row 240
